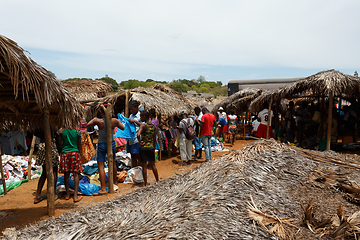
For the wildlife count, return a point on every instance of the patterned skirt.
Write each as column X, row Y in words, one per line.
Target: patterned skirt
column 40, row 156
column 232, row 129
column 70, row 162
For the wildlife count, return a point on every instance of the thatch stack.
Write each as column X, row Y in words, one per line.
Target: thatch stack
column 163, row 99
column 209, row 202
column 87, row 89
column 27, row 88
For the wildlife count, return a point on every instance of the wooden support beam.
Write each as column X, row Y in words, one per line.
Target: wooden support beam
column 269, row 120
column 2, row 175
column 30, row 156
column 329, row 122
column 109, row 138
column 49, row 167
column 127, row 103
column 11, row 107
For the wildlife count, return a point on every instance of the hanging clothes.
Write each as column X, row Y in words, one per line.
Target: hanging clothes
column 87, row 150
column 129, row 131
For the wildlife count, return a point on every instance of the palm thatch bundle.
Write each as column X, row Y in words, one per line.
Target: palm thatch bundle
column 87, row 89
column 227, row 103
column 320, row 84
column 210, row 202
column 242, row 104
column 164, row 100
column 27, row 88
column 172, row 92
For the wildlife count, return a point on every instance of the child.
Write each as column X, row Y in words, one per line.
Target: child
column 232, row 123
column 147, row 145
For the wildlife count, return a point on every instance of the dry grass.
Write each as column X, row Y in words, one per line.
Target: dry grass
column 87, row 89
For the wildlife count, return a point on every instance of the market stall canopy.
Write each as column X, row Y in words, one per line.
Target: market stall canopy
column 163, row 99
column 26, row 88
column 228, row 103
column 87, row 88
column 242, row 104
column 321, row 84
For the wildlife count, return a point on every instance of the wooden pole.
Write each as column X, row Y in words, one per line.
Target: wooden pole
column 127, row 103
column 30, row 156
column 321, row 103
column 269, row 120
column 49, row 167
column 2, row 175
column 109, row 138
column 329, row 121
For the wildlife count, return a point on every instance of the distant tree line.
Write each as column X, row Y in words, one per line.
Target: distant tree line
column 199, row 85
column 134, row 83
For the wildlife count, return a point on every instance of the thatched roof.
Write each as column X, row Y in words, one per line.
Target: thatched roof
column 87, row 89
column 27, row 88
column 227, row 103
column 320, row 84
column 242, row 104
column 163, row 99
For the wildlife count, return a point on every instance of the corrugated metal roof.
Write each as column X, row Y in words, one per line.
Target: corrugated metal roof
column 262, row 81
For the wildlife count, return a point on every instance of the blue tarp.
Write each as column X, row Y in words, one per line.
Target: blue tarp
column 85, row 188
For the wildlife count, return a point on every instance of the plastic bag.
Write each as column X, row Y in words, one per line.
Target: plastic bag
column 87, row 188
column 135, row 175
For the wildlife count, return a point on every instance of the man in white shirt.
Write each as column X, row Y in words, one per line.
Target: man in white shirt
column 185, row 144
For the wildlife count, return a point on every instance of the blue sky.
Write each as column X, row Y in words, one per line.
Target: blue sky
column 166, row 40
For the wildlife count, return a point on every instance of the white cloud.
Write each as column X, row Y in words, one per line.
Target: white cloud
column 169, row 36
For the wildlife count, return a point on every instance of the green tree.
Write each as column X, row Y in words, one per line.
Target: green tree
column 131, row 84
column 356, row 74
column 110, row 80
column 201, row 79
column 75, row 79
column 194, row 88
column 179, row 86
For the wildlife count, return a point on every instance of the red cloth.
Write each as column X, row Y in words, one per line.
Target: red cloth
column 261, row 131
column 208, row 119
column 224, row 129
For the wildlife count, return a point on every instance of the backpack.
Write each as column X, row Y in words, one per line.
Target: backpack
column 190, row 132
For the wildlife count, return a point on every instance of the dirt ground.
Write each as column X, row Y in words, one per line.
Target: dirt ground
column 17, row 208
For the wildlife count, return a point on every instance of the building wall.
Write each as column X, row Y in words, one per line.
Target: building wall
column 267, row 84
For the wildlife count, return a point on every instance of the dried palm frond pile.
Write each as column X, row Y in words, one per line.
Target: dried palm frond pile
column 87, row 89
column 338, row 226
column 209, row 202
column 26, row 88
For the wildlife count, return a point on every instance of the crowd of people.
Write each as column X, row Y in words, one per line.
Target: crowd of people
column 190, row 130
column 307, row 124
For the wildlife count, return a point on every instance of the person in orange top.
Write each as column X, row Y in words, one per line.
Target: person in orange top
column 208, row 121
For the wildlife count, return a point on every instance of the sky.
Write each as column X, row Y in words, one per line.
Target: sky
column 166, row 40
